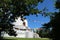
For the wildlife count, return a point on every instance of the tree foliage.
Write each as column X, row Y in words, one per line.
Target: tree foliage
column 57, row 4
column 24, row 7
column 54, row 23
column 11, row 9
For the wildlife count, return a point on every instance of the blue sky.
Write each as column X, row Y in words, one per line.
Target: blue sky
column 36, row 22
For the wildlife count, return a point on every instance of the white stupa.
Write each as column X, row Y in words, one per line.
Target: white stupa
column 22, row 29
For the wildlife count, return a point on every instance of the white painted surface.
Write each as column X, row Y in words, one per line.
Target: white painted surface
column 18, row 21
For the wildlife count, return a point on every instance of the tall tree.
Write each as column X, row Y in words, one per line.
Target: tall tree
column 55, row 22
column 11, row 9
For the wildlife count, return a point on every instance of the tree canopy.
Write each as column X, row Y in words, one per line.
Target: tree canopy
column 11, row 9
column 54, row 22
column 20, row 7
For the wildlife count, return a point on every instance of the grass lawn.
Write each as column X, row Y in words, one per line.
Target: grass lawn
column 26, row 39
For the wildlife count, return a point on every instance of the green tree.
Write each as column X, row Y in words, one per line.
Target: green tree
column 11, row 9
column 55, row 23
